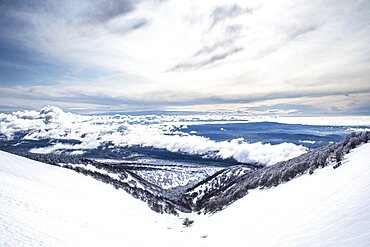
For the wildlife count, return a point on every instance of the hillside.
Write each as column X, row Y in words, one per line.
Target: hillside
column 174, row 188
column 43, row 205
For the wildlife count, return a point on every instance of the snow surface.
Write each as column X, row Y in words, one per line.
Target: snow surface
column 92, row 168
column 168, row 177
column 43, row 205
column 329, row 208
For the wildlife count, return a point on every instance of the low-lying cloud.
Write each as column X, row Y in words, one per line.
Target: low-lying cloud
column 120, row 131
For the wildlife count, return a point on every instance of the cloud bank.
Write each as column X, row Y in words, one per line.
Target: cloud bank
column 120, row 131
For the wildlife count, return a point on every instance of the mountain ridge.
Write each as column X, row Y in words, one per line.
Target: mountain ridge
column 215, row 189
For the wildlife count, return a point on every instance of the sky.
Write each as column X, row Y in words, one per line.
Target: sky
column 287, row 57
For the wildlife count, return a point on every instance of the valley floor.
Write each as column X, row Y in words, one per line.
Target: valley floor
column 43, row 205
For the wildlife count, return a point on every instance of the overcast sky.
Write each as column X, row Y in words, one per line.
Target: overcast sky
column 286, row 56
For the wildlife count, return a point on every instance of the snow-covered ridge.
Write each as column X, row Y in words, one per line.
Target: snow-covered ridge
column 155, row 131
column 328, row 208
column 168, row 177
column 44, row 205
column 165, row 177
column 231, row 184
column 174, row 188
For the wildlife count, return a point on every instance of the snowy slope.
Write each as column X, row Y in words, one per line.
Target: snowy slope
column 329, row 208
column 43, row 205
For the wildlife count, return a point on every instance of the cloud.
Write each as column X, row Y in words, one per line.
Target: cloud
column 139, row 24
column 224, row 46
column 208, row 60
column 219, row 50
column 231, row 35
column 100, row 100
column 160, row 132
column 107, row 10
column 128, row 26
column 222, row 13
column 131, row 53
column 296, row 32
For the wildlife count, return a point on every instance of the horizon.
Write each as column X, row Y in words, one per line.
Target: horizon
column 192, row 116
column 290, row 58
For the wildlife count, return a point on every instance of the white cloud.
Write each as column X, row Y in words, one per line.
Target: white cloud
column 156, row 131
column 176, row 49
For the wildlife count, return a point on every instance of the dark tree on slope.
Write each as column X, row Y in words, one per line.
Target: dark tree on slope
column 187, row 222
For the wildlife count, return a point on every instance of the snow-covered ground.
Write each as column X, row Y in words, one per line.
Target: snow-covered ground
column 43, row 205
column 329, row 208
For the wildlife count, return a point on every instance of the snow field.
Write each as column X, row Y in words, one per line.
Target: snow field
column 43, row 205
